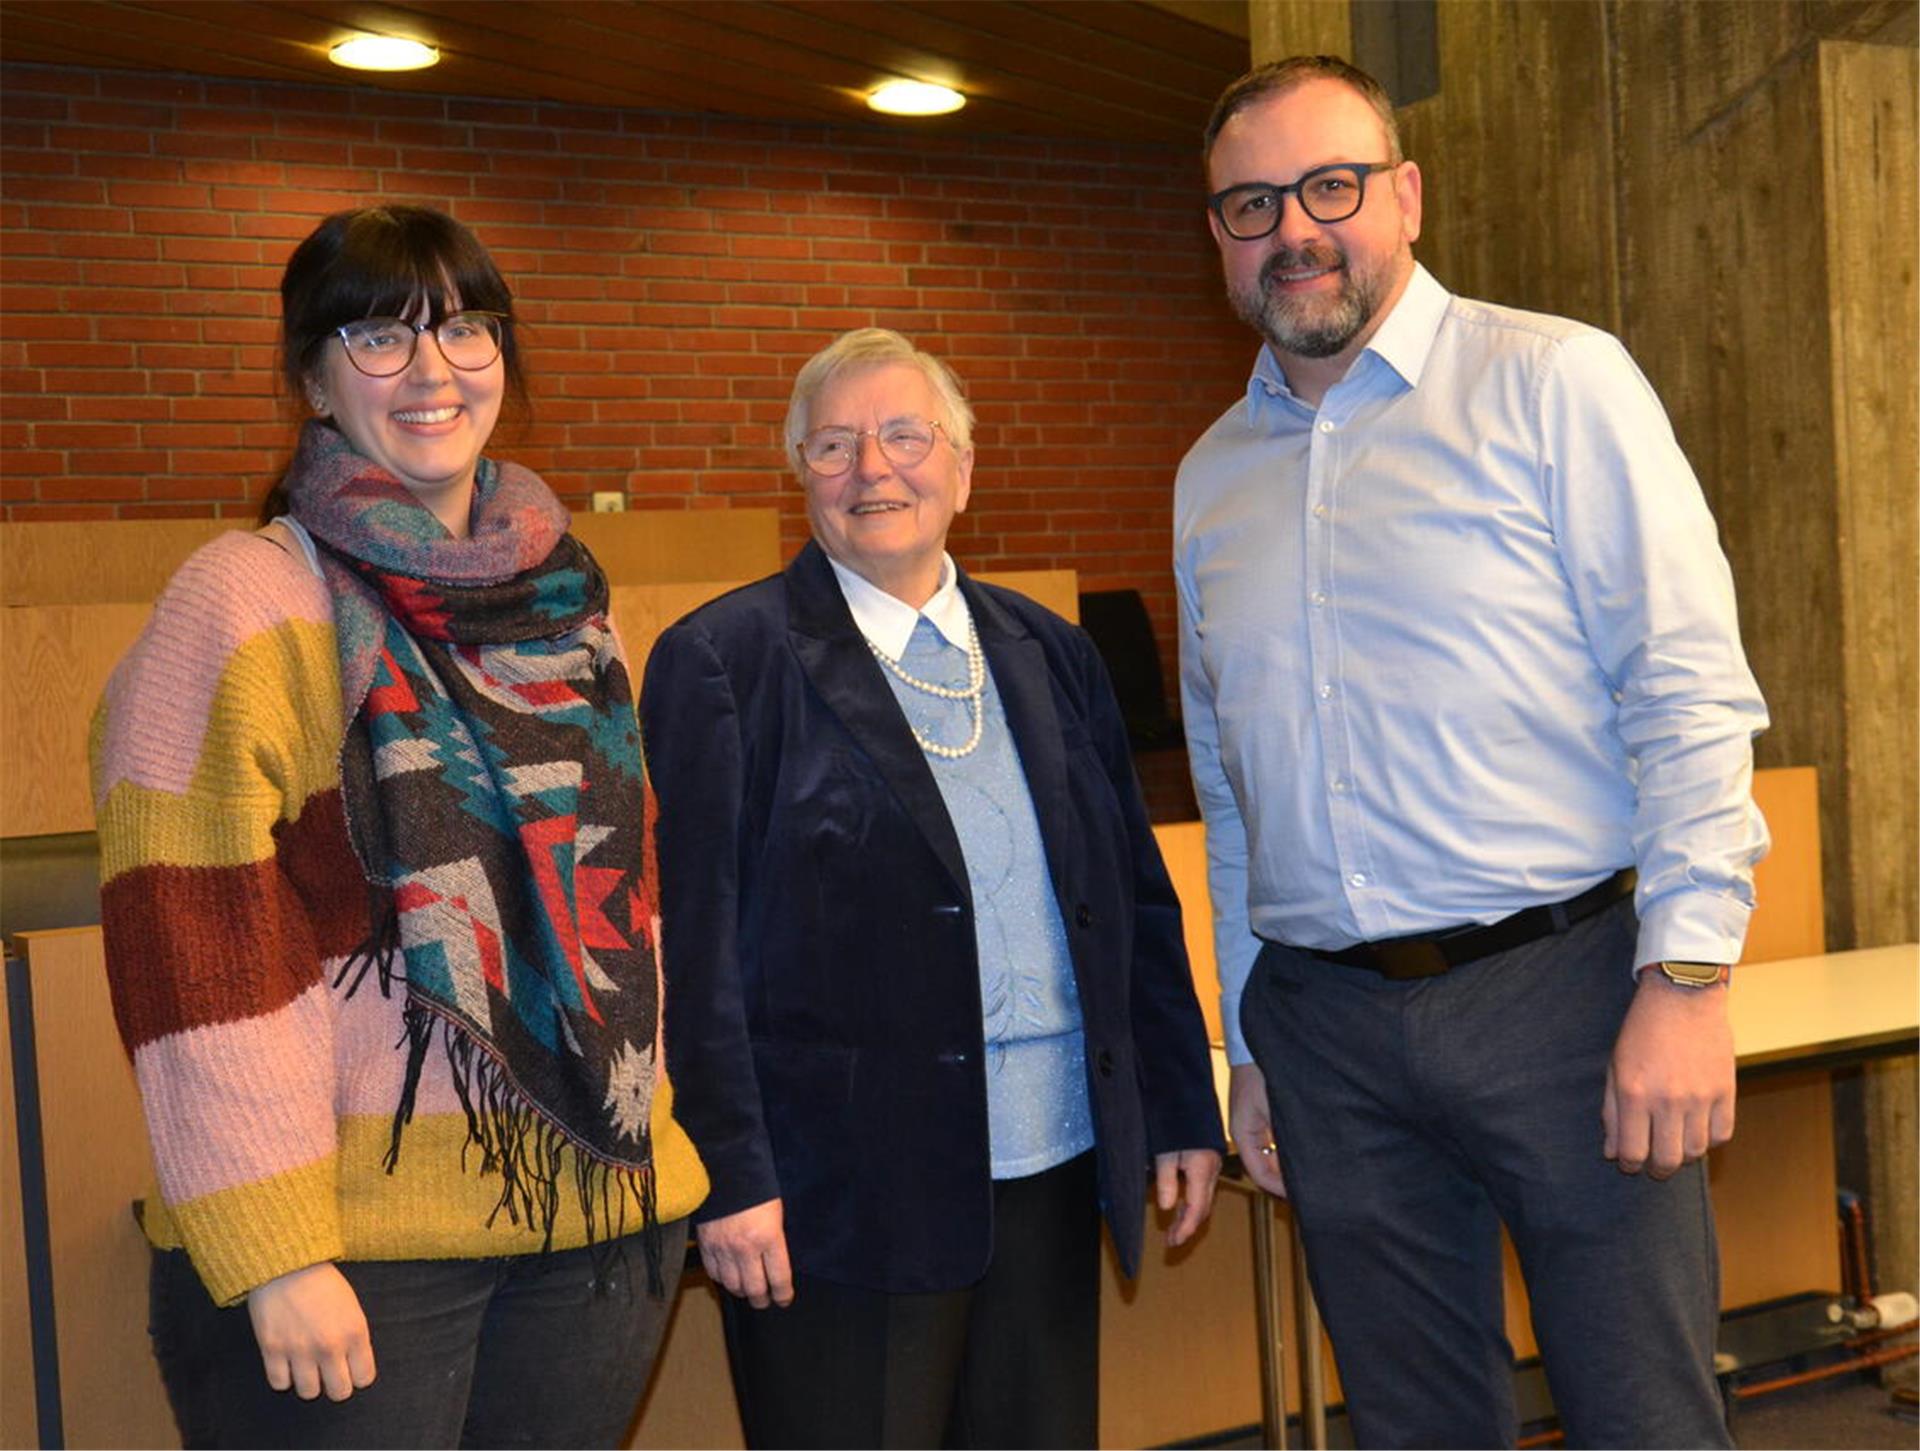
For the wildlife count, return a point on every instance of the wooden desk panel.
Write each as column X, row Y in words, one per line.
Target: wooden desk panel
column 1057, row 589
column 129, row 561
column 674, row 546
column 56, row 660
column 99, row 561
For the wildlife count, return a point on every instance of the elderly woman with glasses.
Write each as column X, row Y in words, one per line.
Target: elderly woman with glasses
column 932, row 1016
column 379, row 920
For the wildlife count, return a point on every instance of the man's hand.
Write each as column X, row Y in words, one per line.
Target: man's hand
column 1669, row 1094
column 1200, row 1168
column 312, row 1333
column 1250, row 1126
column 746, row 1254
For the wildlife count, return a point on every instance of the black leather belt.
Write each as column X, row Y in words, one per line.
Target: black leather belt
column 1403, row 958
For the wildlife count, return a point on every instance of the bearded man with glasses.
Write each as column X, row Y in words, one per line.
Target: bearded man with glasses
column 1471, row 730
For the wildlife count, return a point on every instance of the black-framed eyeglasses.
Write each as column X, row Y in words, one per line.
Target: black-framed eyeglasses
column 1331, row 193
column 383, row 346
column 830, row 452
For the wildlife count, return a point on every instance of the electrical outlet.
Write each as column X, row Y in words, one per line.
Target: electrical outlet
column 606, row 501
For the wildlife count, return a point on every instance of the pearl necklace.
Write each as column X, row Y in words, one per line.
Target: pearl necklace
column 971, row 693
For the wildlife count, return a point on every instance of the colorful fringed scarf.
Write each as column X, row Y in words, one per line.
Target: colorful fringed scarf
column 496, row 799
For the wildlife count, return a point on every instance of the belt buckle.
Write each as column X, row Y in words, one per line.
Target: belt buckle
column 1403, row 961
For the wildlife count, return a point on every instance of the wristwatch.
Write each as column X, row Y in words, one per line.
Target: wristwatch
column 1695, row 974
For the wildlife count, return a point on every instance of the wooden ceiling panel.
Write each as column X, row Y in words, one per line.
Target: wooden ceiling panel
column 1130, row 70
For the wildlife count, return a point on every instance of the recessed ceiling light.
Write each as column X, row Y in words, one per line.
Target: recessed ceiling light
column 383, row 53
column 914, row 98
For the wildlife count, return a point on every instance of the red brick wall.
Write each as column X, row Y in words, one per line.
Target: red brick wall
column 673, row 272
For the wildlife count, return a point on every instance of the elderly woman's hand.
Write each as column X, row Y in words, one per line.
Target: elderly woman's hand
column 746, row 1254
column 1200, row 1168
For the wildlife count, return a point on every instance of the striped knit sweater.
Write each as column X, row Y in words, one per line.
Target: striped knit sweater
column 230, row 898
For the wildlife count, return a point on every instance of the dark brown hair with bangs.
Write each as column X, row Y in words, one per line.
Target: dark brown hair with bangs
column 385, row 262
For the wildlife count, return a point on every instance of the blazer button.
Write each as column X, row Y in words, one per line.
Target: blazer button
column 1103, row 1062
column 1083, row 915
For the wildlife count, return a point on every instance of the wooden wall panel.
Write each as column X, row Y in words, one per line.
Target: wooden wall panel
column 96, row 1166
column 1178, row 1357
column 1516, row 155
column 1868, row 124
column 1280, row 28
column 79, row 595
column 689, row 1406
column 1872, row 218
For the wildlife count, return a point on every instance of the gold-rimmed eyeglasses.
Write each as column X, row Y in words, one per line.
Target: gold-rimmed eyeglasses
column 904, row 442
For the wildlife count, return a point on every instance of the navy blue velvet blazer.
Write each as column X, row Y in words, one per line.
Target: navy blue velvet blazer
column 823, row 1022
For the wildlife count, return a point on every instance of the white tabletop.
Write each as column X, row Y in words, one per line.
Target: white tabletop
column 1839, row 1003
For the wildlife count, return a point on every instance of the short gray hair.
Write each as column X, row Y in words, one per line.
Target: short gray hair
column 873, row 347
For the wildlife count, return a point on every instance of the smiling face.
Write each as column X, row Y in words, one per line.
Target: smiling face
column 426, row 425
column 884, row 521
column 1316, row 290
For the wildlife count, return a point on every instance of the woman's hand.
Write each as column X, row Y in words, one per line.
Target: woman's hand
column 746, row 1254
column 1200, row 1168
column 312, row 1333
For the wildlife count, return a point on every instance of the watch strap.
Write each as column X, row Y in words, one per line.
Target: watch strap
column 1695, row 974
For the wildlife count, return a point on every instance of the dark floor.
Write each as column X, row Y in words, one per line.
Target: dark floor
column 1855, row 1412
column 1848, row 1411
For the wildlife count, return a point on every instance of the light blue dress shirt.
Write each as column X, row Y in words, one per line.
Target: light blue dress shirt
column 1459, row 642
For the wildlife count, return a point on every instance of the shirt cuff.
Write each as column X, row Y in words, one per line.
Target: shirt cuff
column 1691, row 927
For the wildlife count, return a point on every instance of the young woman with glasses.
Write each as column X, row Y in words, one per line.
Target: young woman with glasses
column 378, row 914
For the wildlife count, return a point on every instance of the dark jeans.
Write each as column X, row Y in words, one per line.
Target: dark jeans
column 1009, row 1362
column 1412, row 1118
column 517, row 1351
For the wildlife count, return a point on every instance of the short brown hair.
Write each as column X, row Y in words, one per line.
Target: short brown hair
column 1277, row 77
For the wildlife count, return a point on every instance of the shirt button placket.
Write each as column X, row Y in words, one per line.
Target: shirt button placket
column 1343, row 809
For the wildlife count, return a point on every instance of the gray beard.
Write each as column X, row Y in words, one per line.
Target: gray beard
column 1307, row 327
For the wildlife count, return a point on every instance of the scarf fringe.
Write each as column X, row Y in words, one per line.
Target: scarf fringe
column 529, row 1153
column 377, row 952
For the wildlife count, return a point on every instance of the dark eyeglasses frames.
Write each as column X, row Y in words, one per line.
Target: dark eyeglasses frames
column 383, row 346
column 1332, row 193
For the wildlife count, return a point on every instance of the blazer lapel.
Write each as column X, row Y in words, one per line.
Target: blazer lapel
column 840, row 666
column 1019, row 665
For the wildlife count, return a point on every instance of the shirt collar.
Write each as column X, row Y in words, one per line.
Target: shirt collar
column 1405, row 336
column 888, row 622
column 1404, row 340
